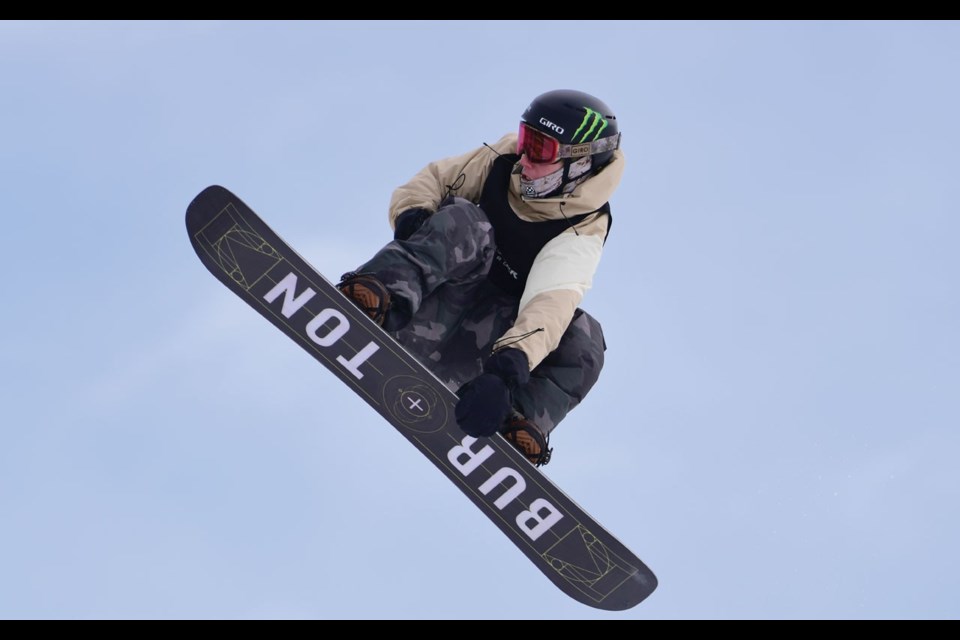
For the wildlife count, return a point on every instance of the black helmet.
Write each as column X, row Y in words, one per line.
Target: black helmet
column 582, row 124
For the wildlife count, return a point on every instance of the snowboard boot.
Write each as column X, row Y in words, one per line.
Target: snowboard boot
column 528, row 439
column 367, row 293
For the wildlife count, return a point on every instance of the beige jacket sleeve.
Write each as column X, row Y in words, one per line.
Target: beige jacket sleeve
column 560, row 277
column 563, row 271
column 432, row 183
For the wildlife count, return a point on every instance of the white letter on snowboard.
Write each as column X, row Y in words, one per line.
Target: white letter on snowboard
column 342, row 326
column 338, row 331
column 542, row 523
column 473, row 460
column 510, row 493
column 353, row 364
column 288, row 286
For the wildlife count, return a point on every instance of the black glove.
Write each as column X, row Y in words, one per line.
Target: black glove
column 408, row 222
column 485, row 402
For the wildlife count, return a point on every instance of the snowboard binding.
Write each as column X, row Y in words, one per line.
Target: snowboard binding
column 367, row 293
column 528, row 439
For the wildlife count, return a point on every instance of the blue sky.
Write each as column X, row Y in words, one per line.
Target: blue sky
column 775, row 431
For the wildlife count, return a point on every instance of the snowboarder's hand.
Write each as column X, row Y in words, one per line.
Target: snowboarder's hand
column 484, row 406
column 408, row 222
column 485, row 402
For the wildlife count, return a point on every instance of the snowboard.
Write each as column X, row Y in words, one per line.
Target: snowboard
column 563, row 541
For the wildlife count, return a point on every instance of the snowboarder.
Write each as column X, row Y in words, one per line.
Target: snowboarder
column 492, row 254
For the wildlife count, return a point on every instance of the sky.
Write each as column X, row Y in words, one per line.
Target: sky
column 775, row 431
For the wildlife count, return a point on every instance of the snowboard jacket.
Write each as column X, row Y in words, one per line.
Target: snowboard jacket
column 563, row 270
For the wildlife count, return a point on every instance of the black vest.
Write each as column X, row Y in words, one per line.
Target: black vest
column 518, row 241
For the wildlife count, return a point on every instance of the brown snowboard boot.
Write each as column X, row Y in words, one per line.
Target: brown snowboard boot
column 528, row 439
column 367, row 293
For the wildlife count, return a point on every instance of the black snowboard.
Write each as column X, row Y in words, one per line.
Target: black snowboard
column 577, row 554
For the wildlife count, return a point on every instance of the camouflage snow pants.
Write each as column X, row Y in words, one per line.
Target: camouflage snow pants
column 457, row 313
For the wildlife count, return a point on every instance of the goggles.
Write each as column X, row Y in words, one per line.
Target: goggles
column 540, row 148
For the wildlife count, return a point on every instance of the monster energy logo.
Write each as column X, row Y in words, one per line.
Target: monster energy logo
column 592, row 118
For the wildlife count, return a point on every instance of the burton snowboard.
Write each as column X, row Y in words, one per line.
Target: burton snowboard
column 561, row 540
